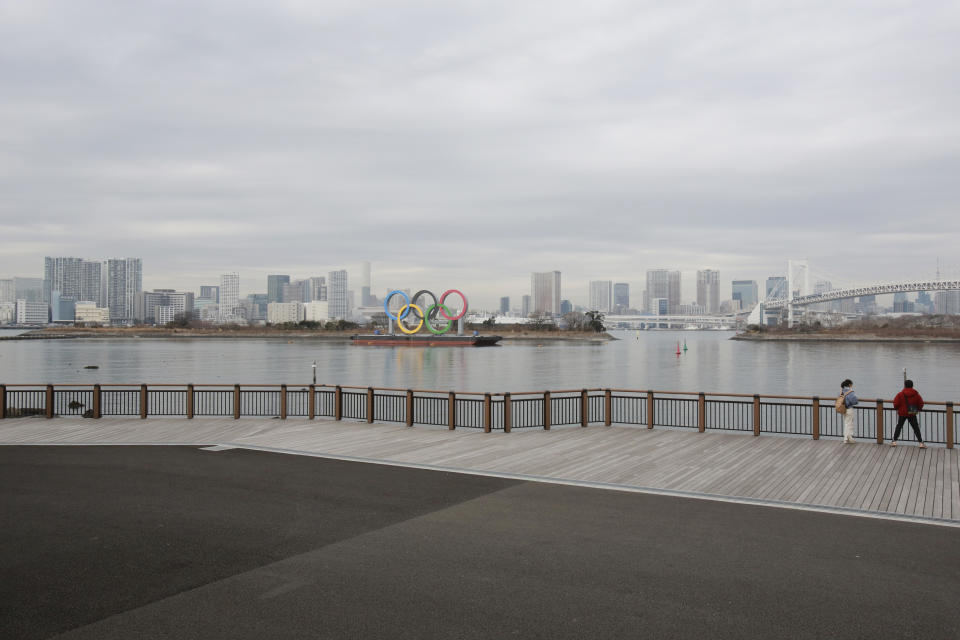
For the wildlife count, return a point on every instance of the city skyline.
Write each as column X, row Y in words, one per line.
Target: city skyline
column 290, row 287
column 599, row 141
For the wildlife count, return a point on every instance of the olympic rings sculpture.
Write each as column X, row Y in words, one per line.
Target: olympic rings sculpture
column 425, row 316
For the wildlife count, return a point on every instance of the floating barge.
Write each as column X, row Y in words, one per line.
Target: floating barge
column 418, row 340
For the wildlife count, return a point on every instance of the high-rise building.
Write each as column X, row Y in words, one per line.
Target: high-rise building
column 745, row 291
column 28, row 289
column 337, row 296
column 776, row 287
column 296, row 291
column 74, row 278
column 601, row 295
column 365, row 300
column 124, row 284
column 545, row 292
column 317, row 289
column 169, row 304
column 63, row 275
column 708, row 290
column 8, row 293
column 229, row 298
column 565, row 307
column 665, row 284
column 621, row 297
column 274, row 287
column 210, row 292
column 91, row 283
column 946, row 302
column 505, row 304
column 525, row 306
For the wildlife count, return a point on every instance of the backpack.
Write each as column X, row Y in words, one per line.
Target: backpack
column 841, row 404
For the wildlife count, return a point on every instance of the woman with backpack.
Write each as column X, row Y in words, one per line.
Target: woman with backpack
column 845, row 403
column 908, row 404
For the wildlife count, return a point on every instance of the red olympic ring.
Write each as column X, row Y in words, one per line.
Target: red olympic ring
column 443, row 298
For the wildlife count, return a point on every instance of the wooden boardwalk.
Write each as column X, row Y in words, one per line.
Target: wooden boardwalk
column 902, row 481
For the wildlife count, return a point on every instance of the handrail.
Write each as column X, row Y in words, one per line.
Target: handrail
column 231, row 385
column 506, row 411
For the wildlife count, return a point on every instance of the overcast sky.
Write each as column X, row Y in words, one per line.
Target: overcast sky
column 467, row 144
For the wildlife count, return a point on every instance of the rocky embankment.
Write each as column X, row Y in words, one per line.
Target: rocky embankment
column 935, row 328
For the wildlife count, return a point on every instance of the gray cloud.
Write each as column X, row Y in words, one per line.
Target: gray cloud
column 468, row 144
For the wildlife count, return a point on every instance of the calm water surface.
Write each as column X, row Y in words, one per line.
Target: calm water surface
column 712, row 363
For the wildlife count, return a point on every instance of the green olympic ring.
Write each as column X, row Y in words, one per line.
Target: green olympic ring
column 431, row 312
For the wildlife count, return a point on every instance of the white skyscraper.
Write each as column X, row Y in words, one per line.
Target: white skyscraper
column 708, row 290
column 662, row 283
column 339, row 302
column 601, row 295
column 229, row 298
column 545, row 292
column 7, row 292
column 124, row 284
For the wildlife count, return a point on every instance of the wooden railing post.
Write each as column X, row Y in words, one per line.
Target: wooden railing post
column 949, row 424
column 409, row 408
column 546, row 410
column 756, row 414
column 236, row 402
column 312, row 402
column 879, row 421
column 369, row 404
column 452, row 411
column 607, row 407
column 487, row 412
column 701, row 412
column 506, row 412
column 190, row 400
column 584, row 407
column 48, row 405
column 283, row 402
column 650, row 405
column 97, row 409
column 3, row 401
column 143, row 402
column 815, row 407
column 337, row 403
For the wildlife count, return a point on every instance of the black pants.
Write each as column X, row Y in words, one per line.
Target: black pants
column 913, row 423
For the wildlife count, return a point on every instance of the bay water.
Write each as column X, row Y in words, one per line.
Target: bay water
column 636, row 360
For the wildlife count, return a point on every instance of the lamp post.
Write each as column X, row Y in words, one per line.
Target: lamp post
column 314, row 366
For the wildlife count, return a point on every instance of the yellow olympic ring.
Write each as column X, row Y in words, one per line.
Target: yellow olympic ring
column 400, row 313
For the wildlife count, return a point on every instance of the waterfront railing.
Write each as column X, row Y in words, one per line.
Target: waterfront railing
column 785, row 415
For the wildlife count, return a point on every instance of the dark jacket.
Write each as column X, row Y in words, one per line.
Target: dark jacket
column 907, row 398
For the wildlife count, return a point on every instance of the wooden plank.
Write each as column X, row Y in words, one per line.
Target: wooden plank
column 902, row 493
column 901, row 479
column 938, row 482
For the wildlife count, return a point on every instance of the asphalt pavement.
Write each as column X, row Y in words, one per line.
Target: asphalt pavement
column 177, row 542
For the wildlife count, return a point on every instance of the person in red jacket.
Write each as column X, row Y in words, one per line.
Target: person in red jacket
column 908, row 404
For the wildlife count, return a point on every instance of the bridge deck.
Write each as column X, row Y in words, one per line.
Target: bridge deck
column 901, row 481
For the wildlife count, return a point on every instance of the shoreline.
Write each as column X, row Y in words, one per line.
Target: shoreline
column 323, row 336
column 826, row 337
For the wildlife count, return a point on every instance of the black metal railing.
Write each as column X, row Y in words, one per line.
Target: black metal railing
column 787, row 415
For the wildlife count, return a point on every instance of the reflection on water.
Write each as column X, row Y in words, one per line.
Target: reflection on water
column 712, row 363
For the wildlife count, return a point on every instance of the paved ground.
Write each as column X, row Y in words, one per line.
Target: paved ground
column 176, row 542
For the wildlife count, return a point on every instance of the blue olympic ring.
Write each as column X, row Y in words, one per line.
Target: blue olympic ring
column 406, row 307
